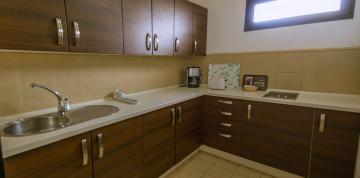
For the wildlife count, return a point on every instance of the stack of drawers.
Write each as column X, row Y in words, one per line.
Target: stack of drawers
column 223, row 124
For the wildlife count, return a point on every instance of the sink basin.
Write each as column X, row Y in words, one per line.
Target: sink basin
column 90, row 112
column 281, row 95
column 35, row 125
column 50, row 122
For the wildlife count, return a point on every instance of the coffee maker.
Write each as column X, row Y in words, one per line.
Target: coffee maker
column 193, row 77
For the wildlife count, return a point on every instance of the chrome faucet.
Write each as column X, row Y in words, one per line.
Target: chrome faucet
column 63, row 102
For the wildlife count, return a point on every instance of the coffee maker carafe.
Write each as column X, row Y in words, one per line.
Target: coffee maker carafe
column 193, row 77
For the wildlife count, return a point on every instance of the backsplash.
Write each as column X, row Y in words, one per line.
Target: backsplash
column 81, row 77
column 334, row 71
column 84, row 77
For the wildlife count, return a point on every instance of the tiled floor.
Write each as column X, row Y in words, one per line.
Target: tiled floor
column 204, row 165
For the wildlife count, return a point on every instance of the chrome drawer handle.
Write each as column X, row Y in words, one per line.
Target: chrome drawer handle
column 60, row 31
column 177, row 44
column 148, row 41
column 173, row 116
column 225, row 102
column 156, row 42
column 226, row 124
column 101, row 145
column 77, row 33
column 195, row 47
column 322, row 123
column 180, row 114
column 225, row 135
column 249, row 112
column 225, row 113
column 85, row 152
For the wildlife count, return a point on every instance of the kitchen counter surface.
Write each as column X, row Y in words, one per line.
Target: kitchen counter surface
column 156, row 99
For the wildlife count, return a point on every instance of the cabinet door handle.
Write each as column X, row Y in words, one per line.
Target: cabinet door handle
column 148, row 41
column 173, row 116
column 225, row 102
column 195, row 47
column 177, row 44
column 60, row 31
column 156, row 42
column 180, row 114
column 101, row 145
column 225, row 113
column 225, row 135
column 85, row 152
column 249, row 111
column 77, row 33
column 226, row 124
column 322, row 123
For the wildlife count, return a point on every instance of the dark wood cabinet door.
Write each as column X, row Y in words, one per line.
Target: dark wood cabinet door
column 183, row 28
column 279, row 136
column 188, row 128
column 163, row 27
column 159, row 142
column 118, row 149
column 99, row 24
column 59, row 159
column 32, row 25
column 137, row 23
column 334, row 149
column 199, row 30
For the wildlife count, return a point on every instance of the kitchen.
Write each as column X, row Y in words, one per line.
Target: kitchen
column 177, row 88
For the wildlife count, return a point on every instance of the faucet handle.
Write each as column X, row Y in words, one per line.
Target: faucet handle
column 66, row 104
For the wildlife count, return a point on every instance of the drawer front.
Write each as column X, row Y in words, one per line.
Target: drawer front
column 223, row 140
column 224, row 125
column 223, row 103
column 224, row 113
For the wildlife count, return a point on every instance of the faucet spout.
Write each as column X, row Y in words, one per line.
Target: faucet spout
column 63, row 103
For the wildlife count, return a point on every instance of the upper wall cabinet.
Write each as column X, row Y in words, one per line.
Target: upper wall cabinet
column 163, row 27
column 183, row 28
column 199, row 30
column 137, row 27
column 149, row 27
column 95, row 26
column 33, row 25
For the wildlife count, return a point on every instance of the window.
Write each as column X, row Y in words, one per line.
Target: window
column 263, row 14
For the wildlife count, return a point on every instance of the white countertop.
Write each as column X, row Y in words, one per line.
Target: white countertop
column 155, row 99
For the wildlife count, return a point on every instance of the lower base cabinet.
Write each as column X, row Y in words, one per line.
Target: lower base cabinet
column 335, row 144
column 159, row 142
column 67, row 158
column 118, row 149
column 289, row 138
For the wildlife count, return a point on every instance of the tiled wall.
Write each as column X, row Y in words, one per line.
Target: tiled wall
column 80, row 77
column 83, row 77
column 335, row 71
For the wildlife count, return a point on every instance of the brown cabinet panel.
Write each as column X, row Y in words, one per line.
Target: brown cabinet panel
column 334, row 150
column 159, row 142
column 188, row 129
column 199, row 30
column 163, row 26
column 100, row 25
column 279, row 136
column 59, row 159
column 183, row 28
column 137, row 25
column 122, row 149
column 31, row 25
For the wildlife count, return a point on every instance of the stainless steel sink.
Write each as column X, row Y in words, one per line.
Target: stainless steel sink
column 50, row 122
column 35, row 125
column 90, row 112
column 281, row 95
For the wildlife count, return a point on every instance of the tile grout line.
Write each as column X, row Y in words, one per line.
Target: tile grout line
column 207, row 170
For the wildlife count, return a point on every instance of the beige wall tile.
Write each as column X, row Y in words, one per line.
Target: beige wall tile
column 289, row 81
